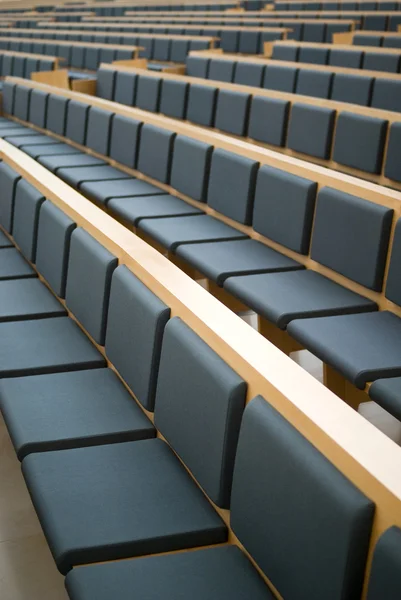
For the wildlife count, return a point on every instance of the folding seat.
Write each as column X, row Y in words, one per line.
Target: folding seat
column 105, row 83
column 393, row 22
column 8, row 96
column 287, row 53
column 340, row 219
column 392, row 169
column 352, row 88
column 21, row 102
column 179, row 50
column 136, row 321
column 296, row 32
column 376, row 23
column 222, row 70
column 124, row 140
column 249, row 74
column 65, row 52
column 174, row 98
column 311, row 129
column 67, row 161
column 368, row 40
column 359, row 142
column 197, row 66
column 381, row 62
column 266, row 523
column 123, row 55
column 232, row 112
column 229, row 40
column 148, row 93
column 162, row 49
column 268, row 120
column 198, row 45
column 77, row 57
column 346, row 58
column 362, row 348
column 77, row 121
column 332, row 28
column 145, row 524
column 26, row 208
column 56, row 114
column 314, row 83
column 387, row 95
column 281, row 79
column 311, row 54
column 202, row 104
column 31, row 66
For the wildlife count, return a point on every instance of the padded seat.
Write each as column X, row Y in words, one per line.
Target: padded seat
column 362, row 347
column 22, row 299
column 387, row 393
column 32, row 408
column 220, row 260
column 5, row 242
column 13, row 265
column 53, row 163
column 385, row 577
column 131, row 479
column 45, row 346
column 75, row 176
column 216, row 574
column 40, row 138
column 173, row 231
column 136, row 208
column 282, row 297
column 36, row 151
column 102, row 191
column 16, row 131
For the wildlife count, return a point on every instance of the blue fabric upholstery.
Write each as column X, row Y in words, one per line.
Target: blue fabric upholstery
column 281, row 79
column 148, row 93
column 198, row 409
column 387, row 95
column 90, row 269
column 232, row 112
column 125, row 88
column 102, row 191
column 174, row 97
column 190, row 167
column 82, row 399
column 37, row 107
column 387, row 393
column 99, row 128
column 77, row 121
column 133, row 209
column 325, row 554
column 202, row 105
column 232, row 185
column 352, row 88
column 385, row 580
column 221, row 70
column 155, row 152
column 105, row 82
column 124, row 140
column 216, row 574
column 314, row 83
column 310, row 130
column 27, row 204
column 392, row 169
column 268, row 120
column 136, row 322
column 149, row 502
column 13, row 265
column 56, row 114
column 25, row 299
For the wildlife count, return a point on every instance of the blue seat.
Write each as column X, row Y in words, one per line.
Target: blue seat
column 221, row 70
column 268, row 119
column 384, row 581
column 99, row 128
column 281, row 79
column 148, row 93
column 391, row 168
column 387, row 95
column 313, row 55
column 352, row 88
column 125, row 88
column 197, row 66
column 373, row 61
column 249, row 74
column 232, row 112
column 77, row 121
column 174, row 98
column 202, row 104
column 105, row 83
column 155, row 152
column 314, row 83
column 38, row 108
column 124, row 140
column 56, row 114
column 191, row 167
column 359, row 142
column 149, row 520
column 102, row 191
column 346, row 58
column 310, row 130
column 269, row 449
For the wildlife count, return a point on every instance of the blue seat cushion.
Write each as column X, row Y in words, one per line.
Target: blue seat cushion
column 70, row 410
column 102, row 191
column 5, row 242
column 53, row 163
column 387, row 393
column 174, row 231
column 25, row 140
column 215, row 573
column 220, row 260
column 39, row 150
column 136, row 208
column 75, row 176
column 282, row 297
column 27, row 299
column 361, row 347
column 14, row 131
column 149, row 503
column 45, row 346
column 13, row 265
